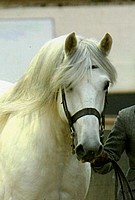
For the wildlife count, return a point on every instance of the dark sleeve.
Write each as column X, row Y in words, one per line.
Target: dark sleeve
column 115, row 143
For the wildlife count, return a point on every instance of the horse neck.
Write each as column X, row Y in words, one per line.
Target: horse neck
column 58, row 129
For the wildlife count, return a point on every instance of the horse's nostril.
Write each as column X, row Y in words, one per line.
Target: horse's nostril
column 80, row 151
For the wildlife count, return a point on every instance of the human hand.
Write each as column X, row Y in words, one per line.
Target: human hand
column 101, row 160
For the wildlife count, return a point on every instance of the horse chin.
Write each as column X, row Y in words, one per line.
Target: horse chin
column 86, row 159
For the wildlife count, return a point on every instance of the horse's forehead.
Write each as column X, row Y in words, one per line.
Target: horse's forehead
column 92, row 77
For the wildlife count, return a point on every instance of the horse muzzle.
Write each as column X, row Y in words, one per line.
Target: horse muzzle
column 85, row 155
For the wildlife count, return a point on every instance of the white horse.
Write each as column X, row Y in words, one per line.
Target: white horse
column 39, row 120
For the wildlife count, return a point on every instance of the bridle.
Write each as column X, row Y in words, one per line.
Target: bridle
column 81, row 113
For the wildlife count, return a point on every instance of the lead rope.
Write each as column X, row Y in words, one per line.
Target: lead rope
column 120, row 178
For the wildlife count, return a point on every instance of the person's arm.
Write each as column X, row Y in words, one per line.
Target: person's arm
column 114, row 145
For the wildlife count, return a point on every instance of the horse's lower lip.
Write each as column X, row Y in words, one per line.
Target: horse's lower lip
column 85, row 159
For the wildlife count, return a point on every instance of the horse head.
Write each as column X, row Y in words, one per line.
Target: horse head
column 83, row 95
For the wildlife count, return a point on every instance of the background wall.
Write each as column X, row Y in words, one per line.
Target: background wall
column 20, row 40
column 43, row 3
column 94, row 21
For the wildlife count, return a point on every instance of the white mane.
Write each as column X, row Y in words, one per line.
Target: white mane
column 50, row 70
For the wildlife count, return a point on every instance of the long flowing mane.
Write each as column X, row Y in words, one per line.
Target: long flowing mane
column 49, row 71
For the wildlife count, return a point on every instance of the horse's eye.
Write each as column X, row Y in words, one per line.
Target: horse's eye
column 94, row 67
column 69, row 87
column 106, row 85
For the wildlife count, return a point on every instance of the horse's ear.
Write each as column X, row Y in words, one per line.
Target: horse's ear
column 105, row 44
column 70, row 43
